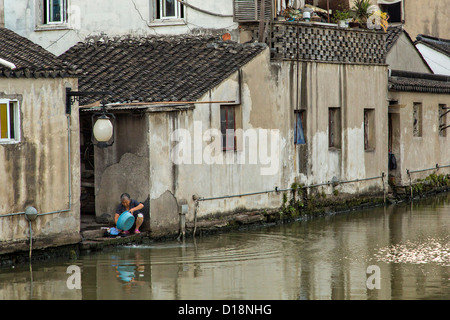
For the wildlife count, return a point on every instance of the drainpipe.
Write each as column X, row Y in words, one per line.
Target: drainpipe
column 183, row 209
column 31, row 215
column 6, row 63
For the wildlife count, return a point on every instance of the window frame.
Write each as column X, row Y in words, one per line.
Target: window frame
column 369, row 129
column 417, row 126
column 159, row 9
column 334, row 128
column 225, row 132
column 47, row 8
column 14, row 103
column 443, row 112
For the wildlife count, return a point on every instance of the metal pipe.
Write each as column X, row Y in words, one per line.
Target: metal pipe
column 408, row 172
column 289, row 189
column 31, row 241
column 236, row 195
column 358, row 180
column 7, row 64
column 195, row 217
column 421, row 170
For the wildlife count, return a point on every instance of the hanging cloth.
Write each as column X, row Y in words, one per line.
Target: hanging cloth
column 299, row 135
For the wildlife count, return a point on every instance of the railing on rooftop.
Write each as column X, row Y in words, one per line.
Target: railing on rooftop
column 304, row 41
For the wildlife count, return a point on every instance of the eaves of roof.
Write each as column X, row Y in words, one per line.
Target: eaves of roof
column 417, row 82
column 29, row 60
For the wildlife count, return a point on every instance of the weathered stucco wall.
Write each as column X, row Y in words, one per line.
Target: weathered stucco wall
column 430, row 18
column 268, row 96
column 416, row 153
column 123, row 167
column 35, row 171
column 404, row 56
column 165, row 176
column 258, row 164
column 351, row 89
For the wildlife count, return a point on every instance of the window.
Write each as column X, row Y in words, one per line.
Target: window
column 299, row 127
column 393, row 8
column 443, row 125
column 369, row 129
column 9, row 121
column 334, row 128
column 250, row 10
column 55, row 11
column 228, row 127
column 169, row 9
column 417, row 119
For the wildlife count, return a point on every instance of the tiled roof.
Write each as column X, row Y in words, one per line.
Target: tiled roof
column 417, row 82
column 157, row 69
column 392, row 35
column 442, row 45
column 30, row 59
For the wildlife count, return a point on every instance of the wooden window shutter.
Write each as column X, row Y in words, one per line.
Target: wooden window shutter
column 250, row 10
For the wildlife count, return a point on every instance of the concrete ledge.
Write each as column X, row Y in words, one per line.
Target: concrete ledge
column 103, row 242
column 40, row 243
column 249, row 219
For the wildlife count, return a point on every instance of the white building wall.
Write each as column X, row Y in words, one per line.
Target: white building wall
column 114, row 18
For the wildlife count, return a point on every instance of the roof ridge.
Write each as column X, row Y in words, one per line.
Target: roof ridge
column 106, row 39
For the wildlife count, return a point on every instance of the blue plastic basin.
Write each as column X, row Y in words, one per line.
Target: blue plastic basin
column 125, row 221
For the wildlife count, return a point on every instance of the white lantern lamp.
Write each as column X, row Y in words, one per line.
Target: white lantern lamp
column 103, row 130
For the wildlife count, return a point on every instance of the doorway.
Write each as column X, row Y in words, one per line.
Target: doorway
column 394, row 148
column 87, row 197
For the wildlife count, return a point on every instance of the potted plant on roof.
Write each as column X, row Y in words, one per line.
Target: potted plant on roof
column 361, row 7
column 342, row 18
column 354, row 23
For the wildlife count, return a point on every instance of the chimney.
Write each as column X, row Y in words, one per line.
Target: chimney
column 2, row 13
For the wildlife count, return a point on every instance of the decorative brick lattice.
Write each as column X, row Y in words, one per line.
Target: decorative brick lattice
column 292, row 41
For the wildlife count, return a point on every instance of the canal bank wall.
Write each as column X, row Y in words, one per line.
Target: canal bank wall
column 296, row 205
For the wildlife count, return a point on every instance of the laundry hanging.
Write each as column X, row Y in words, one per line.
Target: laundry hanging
column 299, row 134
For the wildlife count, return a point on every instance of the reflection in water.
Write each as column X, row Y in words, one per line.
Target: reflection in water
column 323, row 258
column 420, row 252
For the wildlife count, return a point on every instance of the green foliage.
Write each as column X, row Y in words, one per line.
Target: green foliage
column 341, row 15
column 360, row 7
column 291, row 207
column 430, row 182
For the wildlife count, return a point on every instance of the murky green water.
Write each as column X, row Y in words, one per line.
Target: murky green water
column 400, row 252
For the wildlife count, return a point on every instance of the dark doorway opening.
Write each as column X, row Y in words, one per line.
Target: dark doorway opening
column 87, row 166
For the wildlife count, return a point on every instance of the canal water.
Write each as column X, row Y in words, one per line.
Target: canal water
column 398, row 252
